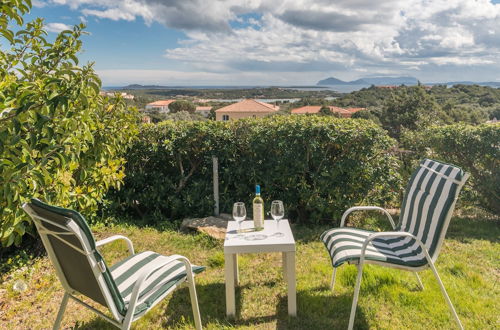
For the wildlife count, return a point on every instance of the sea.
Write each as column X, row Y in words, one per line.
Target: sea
column 336, row 88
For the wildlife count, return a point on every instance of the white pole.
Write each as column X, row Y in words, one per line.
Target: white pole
column 216, row 184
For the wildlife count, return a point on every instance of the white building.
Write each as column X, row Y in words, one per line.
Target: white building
column 204, row 111
column 160, row 106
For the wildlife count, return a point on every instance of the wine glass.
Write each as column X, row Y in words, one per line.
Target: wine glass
column 277, row 212
column 239, row 214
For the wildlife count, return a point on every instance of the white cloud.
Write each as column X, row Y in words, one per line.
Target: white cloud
column 57, row 27
column 318, row 35
column 38, row 3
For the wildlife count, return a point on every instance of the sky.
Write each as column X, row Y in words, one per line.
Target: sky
column 281, row 42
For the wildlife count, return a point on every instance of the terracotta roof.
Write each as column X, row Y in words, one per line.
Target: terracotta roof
column 161, row 103
column 316, row 108
column 307, row 109
column 341, row 111
column 203, row 108
column 249, row 105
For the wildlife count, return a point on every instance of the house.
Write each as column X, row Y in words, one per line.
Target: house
column 315, row 109
column 128, row 96
column 146, row 119
column 204, row 111
column 247, row 108
column 160, row 106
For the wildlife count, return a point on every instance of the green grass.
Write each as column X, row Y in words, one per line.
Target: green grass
column 469, row 267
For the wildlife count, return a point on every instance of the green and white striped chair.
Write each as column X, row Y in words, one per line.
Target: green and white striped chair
column 129, row 288
column 415, row 243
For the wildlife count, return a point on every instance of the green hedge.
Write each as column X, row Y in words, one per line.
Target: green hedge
column 318, row 166
column 474, row 148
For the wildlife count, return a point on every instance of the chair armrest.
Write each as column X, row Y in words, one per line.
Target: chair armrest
column 114, row 238
column 393, row 234
column 147, row 272
column 366, row 208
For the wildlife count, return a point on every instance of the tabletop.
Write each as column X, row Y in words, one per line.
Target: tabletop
column 259, row 241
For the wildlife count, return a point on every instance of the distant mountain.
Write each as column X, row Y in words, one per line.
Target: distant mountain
column 378, row 81
column 332, row 81
column 370, row 81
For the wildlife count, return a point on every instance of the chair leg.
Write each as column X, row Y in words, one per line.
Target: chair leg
column 419, row 281
column 126, row 325
column 445, row 294
column 194, row 304
column 332, row 283
column 62, row 309
column 355, row 297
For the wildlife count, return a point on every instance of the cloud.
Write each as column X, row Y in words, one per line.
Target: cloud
column 38, row 3
column 318, row 35
column 57, row 27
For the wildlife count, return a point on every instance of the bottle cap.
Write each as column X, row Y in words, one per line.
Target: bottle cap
column 257, row 189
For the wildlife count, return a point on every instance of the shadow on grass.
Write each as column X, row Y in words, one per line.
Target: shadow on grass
column 311, row 311
column 364, row 220
column 464, row 229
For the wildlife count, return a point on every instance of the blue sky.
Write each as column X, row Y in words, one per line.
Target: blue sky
column 285, row 42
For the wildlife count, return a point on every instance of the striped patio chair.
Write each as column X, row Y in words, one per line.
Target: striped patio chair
column 415, row 242
column 128, row 289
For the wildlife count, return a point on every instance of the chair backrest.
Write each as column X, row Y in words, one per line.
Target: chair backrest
column 429, row 201
column 72, row 250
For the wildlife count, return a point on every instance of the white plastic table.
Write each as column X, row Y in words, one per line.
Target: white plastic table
column 258, row 242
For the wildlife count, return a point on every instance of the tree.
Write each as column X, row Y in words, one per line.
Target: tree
column 212, row 115
column 182, row 105
column 367, row 114
column 411, row 108
column 59, row 139
column 325, row 111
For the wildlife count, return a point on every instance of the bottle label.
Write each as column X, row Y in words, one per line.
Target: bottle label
column 258, row 215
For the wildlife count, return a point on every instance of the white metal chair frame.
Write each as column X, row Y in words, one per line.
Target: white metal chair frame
column 120, row 321
column 362, row 261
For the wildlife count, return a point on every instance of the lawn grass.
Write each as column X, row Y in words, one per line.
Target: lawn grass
column 390, row 299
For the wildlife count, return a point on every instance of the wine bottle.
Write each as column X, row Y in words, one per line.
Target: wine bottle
column 258, row 210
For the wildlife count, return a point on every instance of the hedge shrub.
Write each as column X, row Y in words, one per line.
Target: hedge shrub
column 474, row 148
column 318, row 166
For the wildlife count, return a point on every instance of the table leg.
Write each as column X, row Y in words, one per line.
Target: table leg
column 229, row 274
column 236, row 271
column 292, row 289
column 283, row 262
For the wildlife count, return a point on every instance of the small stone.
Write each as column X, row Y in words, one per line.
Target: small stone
column 20, row 286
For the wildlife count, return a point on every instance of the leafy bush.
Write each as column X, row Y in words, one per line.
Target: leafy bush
column 317, row 165
column 409, row 108
column 474, row 148
column 59, row 139
column 182, row 105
